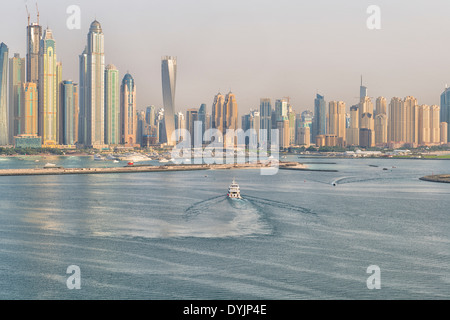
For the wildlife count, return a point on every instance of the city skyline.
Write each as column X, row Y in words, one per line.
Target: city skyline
column 256, row 69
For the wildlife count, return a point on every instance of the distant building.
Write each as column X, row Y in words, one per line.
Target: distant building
column 445, row 109
column 303, row 138
column 67, row 113
column 444, row 131
column 381, row 124
column 128, row 118
column 265, row 113
column 230, row 119
column 336, row 119
column 48, row 93
column 16, row 81
column 3, row 94
column 320, row 117
column 30, row 109
column 112, row 105
column 169, row 77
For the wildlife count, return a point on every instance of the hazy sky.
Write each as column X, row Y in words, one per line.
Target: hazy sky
column 256, row 48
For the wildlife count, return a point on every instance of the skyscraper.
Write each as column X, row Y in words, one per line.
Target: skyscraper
column 169, row 77
column 16, row 81
column 320, row 117
column 67, row 113
column 48, row 104
column 381, row 124
column 434, row 124
column 112, row 105
column 82, row 98
column 362, row 91
column 30, row 109
column 34, row 35
column 150, row 115
column 445, row 109
column 128, row 117
column 353, row 130
column 265, row 112
column 3, row 94
column 336, row 121
column 230, row 118
column 381, row 107
column 191, row 118
column 202, row 115
column 95, row 86
column 395, row 120
column 217, row 112
column 281, row 109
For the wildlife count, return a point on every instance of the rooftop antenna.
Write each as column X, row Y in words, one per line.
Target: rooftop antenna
column 361, row 80
column 37, row 10
column 28, row 14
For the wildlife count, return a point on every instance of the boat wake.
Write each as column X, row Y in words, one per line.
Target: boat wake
column 280, row 205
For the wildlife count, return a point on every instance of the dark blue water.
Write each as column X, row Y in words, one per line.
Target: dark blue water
column 174, row 235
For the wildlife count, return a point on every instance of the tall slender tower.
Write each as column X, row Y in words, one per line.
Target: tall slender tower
column 82, row 98
column 217, row 112
column 3, row 94
column 112, row 105
column 230, row 117
column 34, row 35
column 95, row 87
column 320, row 117
column 48, row 104
column 128, row 117
column 265, row 112
column 67, row 110
column 30, row 109
column 169, row 78
column 336, row 121
column 16, row 80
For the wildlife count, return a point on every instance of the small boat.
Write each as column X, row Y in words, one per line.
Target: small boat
column 50, row 165
column 163, row 160
column 116, row 161
column 234, row 191
column 98, row 157
column 130, row 163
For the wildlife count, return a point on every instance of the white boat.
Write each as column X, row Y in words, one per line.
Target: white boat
column 50, row 165
column 234, row 192
column 163, row 160
column 98, row 157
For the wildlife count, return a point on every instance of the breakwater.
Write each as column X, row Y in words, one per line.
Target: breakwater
column 444, row 178
column 140, row 168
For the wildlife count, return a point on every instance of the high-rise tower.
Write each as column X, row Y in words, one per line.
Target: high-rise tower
column 48, row 103
column 112, row 105
column 169, row 77
column 34, row 35
column 16, row 81
column 320, row 117
column 265, row 112
column 95, row 87
column 3, row 94
column 128, row 117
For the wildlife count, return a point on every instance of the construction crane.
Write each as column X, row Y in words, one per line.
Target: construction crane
column 37, row 10
column 28, row 14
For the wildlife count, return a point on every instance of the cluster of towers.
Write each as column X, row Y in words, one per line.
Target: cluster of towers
column 401, row 123
column 46, row 111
